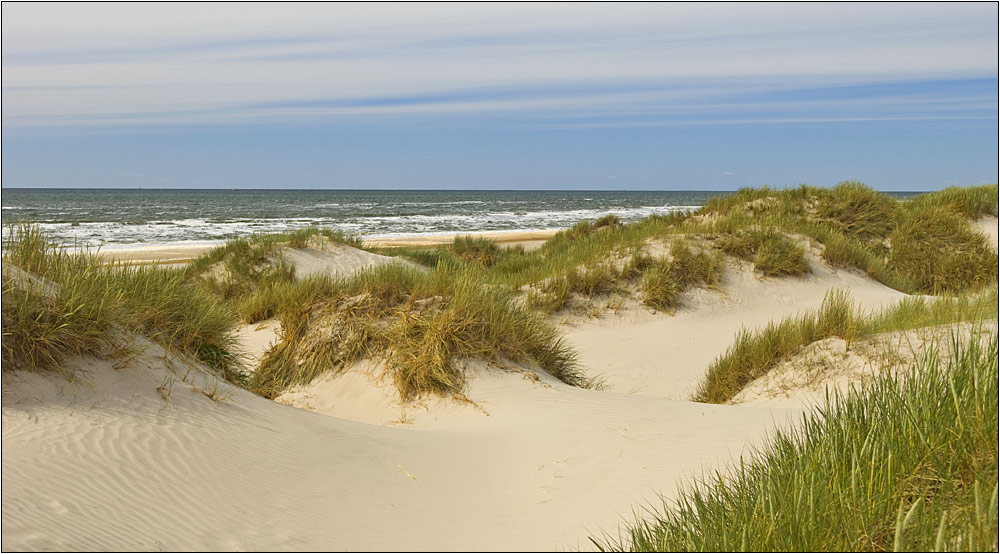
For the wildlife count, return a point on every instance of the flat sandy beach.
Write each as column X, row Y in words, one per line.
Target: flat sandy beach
column 174, row 254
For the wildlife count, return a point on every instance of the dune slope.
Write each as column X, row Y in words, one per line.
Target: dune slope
column 142, row 458
column 666, row 356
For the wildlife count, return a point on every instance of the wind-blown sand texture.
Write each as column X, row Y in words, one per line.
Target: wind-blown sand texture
column 161, row 454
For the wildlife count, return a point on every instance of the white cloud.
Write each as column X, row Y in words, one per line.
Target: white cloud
column 190, row 63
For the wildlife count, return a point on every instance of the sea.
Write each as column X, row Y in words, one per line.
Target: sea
column 119, row 218
column 116, row 218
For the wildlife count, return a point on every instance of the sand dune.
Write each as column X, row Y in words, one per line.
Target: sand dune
column 333, row 259
column 832, row 365
column 146, row 460
column 161, row 455
column 662, row 356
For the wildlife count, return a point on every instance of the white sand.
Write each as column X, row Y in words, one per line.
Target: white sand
column 165, row 254
column 831, row 365
column 256, row 338
column 530, row 240
column 106, row 462
column 987, row 225
column 663, row 356
column 161, row 455
column 334, row 259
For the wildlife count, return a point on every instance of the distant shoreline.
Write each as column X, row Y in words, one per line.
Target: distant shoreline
column 166, row 253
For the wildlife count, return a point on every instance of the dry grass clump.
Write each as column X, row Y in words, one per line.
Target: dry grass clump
column 40, row 328
column 905, row 464
column 610, row 220
column 593, row 280
column 659, row 288
column 582, row 229
column 422, row 324
column 237, row 268
column 482, row 251
column 772, row 252
column 77, row 304
column 664, row 280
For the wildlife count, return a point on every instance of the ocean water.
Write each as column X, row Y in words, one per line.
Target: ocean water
column 130, row 218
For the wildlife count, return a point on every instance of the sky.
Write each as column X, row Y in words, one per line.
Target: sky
column 610, row 96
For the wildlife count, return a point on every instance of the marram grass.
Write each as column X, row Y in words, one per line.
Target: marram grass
column 75, row 303
column 754, row 353
column 908, row 463
column 421, row 324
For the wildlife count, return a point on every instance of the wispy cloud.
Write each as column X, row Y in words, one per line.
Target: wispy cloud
column 111, row 65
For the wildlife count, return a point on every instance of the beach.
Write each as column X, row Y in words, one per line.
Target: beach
column 156, row 452
column 173, row 254
column 482, row 277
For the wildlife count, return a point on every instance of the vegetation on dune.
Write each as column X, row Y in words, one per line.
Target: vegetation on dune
column 906, row 464
column 474, row 290
column 250, row 273
column 969, row 202
column 607, row 259
column 856, row 210
column 482, row 251
column 938, row 252
column 421, row 324
column 909, row 463
column 853, row 226
column 772, row 253
column 75, row 303
column 862, row 228
column 664, row 279
column 754, row 353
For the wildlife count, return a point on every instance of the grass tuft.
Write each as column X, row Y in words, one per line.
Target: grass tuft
column 421, row 324
column 939, row 253
column 772, row 253
column 75, row 303
column 858, row 210
column 969, row 202
column 909, row 463
column 754, row 353
column 482, row 251
column 659, row 288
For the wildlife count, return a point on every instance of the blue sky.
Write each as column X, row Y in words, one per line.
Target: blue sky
column 539, row 96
